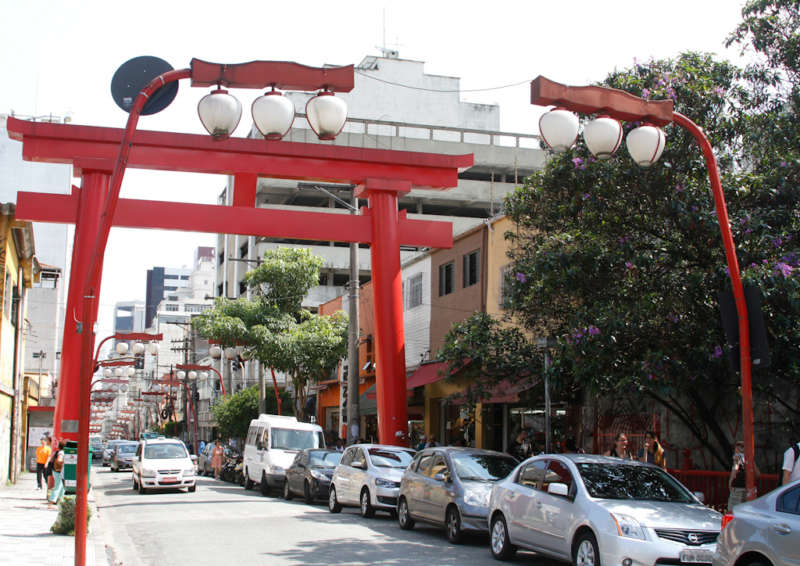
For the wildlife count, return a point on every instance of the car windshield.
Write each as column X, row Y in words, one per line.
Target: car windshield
column 289, row 439
column 385, row 458
column 167, row 451
column 325, row 459
column 126, row 448
column 623, row 481
column 482, row 467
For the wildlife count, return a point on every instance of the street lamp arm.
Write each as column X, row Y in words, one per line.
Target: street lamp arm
column 197, row 367
column 738, row 295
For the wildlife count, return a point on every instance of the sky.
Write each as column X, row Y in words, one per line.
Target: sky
column 58, row 57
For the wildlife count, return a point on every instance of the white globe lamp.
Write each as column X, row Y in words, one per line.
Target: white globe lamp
column 219, row 113
column 559, row 129
column 646, row 144
column 603, row 136
column 326, row 115
column 273, row 114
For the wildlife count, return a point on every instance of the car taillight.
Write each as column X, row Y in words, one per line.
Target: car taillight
column 727, row 518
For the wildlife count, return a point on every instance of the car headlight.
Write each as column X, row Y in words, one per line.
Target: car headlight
column 148, row 473
column 275, row 470
column 188, row 472
column 477, row 498
column 627, row 526
column 380, row 482
column 317, row 475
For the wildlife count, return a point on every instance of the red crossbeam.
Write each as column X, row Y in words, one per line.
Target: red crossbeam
column 215, row 219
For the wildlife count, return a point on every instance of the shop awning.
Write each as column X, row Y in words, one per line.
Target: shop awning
column 504, row 391
column 427, row 373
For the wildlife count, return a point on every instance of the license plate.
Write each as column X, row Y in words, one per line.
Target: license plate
column 695, row 556
column 170, row 479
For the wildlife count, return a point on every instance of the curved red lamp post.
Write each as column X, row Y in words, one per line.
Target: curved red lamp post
column 625, row 106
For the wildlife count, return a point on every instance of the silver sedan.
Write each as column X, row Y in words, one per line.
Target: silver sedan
column 450, row 487
column 765, row 531
column 594, row 510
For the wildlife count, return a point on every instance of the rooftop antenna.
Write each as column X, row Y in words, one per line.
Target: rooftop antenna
column 385, row 51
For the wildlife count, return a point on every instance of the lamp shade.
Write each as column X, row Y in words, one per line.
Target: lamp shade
column 646, row 144
column 326, row 115
column 192, row 375
column 181, row 374
column 215, row 352
column 108, row 372
column 204, row 375
column 130, row 371
column 118, row 372
column 121, row 348
column 152, row 347
column 602, row 136
column 123, row 388
column 220, row 113
column 559, row 129
column 137, row 348
column 230, row 353
column 273, row 114
column 114, row 387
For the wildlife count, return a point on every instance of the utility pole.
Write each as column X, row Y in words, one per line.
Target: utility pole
column 353, row 416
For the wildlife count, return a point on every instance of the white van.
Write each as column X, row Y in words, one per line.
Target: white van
column 272, row 443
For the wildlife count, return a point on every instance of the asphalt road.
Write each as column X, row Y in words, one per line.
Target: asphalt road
column 222, row 523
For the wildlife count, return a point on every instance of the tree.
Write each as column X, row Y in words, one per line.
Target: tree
column 275, row 328
column 233, row 414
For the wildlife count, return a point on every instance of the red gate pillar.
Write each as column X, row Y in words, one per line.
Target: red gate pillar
column 388, row 304
column 94, row 186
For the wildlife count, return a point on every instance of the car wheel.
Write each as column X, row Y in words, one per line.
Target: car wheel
column 287, row 493
column 192, row 488
column 142, row 490
column 307, row 493
column 333, row 505
column 367, row 510
column 585, row 551
column 501, row 546
column 403, row 516
column 248, row 483
column 453, row 525
column 264, row 484
column 135, row 485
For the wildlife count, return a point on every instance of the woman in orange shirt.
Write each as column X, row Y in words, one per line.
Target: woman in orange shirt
column 42, row 455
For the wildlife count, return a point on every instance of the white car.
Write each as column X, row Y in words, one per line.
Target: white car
column 163, row 463
column 368, row 476
column 593, row 510
column 765, row 531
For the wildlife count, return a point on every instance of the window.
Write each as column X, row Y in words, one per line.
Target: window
column 532, row 475
column 505, row 287
column 7, row 297
column 171, row 307
column 348, row 456
column 424, row 464
column 414, row 291
column 789, row 501
column 447, row 278
column 358, row 457
column 439, row 466
column 243, row 249
column 472, row 267
column 557, row 472
column 242, row 288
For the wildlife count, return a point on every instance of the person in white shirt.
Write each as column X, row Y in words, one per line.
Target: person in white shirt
column 791, row 464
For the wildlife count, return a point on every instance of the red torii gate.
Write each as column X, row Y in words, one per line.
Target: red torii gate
column 380, row 176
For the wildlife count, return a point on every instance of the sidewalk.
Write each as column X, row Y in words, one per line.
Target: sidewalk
column 25, row 537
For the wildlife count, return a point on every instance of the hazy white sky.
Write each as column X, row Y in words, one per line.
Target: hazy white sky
column 59, row 56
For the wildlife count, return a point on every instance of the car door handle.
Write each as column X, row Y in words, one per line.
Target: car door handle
column 782, row 529
column 539, row 504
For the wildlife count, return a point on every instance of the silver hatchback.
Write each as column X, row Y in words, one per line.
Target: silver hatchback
column 594, row 510
column 450, row 487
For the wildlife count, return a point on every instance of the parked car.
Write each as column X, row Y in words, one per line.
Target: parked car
column 450, row 487
column 122, row 455
column 594, row 510
column 204, row 460
column 270, row 447
column 765, row 531
column 98, row 447
column 310, row 474
column 368, row 476
column 163, row 463
column 109, row 450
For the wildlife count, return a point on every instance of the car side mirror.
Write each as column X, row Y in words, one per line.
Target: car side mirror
column 193, row 457
column 443, row 477
column 260, row 445
column 359, row 465
column 557, row 488
column 701, row 497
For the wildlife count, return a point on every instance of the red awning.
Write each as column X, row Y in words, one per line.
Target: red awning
column 427, row 373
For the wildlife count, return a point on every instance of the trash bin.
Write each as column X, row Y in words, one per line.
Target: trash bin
column 71, row 466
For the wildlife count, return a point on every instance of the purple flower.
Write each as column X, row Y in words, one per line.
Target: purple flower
column 577, row 161
column 753, row 265
column 719, row 91
column 748, row 230
column 594, row 331
column 777, row 242
column 717, row 351
column 783, row 269
column 764, row 261
column 784, row 164
column 623, row 240
column 694, row 208
column 645, row 93
column 586, row 196
column 521, row 277
column 629, row 265
column 651, row 376
column 678, row 188
column 673, row 317
column 727, row 271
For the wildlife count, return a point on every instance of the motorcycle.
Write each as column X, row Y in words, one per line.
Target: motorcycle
column 229, row 472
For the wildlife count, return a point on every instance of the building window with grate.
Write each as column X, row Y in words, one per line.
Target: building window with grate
column 472, row 268
column 171, row 307
column 447, row 275
column 414, row 291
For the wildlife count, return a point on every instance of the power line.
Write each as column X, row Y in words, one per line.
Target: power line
column 526, row 81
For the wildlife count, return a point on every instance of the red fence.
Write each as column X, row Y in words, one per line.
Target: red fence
column 714, row 485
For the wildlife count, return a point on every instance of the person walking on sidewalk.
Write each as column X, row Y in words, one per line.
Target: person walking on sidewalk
column 737, row 484
column 217, row 454
column 791, row 464
column 42, row 456
column 57, row 457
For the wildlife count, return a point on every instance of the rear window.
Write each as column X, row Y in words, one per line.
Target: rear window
column 325, row 459
column 169, row 451
column 126, row 448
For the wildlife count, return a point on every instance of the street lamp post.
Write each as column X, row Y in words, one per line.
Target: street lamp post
column 645, row 144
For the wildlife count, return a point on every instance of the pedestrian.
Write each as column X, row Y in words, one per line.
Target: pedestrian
column 521, row 447
column 42, row 456
column 653, row 452
column 431, row 442
column 620, row 448
column 202, row 446
column 421, row 443
column 339, row 445
column 57, row 459
column 791, row 464
column 737, row 484
column 217, row 455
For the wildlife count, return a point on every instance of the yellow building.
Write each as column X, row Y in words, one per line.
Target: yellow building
column 18, row 271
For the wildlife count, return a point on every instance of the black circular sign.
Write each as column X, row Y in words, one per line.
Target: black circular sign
column 135, row 74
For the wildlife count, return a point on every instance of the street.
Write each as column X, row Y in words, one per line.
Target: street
column 221, row 523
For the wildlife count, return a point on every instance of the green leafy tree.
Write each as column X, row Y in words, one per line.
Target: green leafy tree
column 234, row 413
